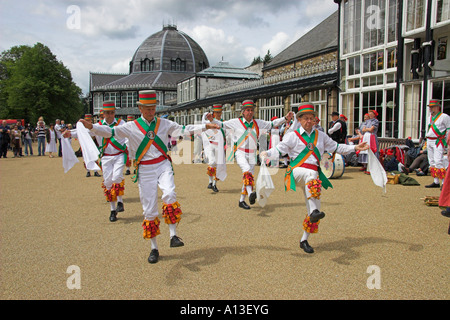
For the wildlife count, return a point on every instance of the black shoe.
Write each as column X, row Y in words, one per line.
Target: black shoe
column 96, row 174
column 210, row 186
column 446, row 213
column 433, row 185
column 154, row 256
column 214, row 188
column 176, row 242
column 316, row 215
column 252, row 197
column 113, row 216
column 120, row 207
column 127, row 173
column 88, row 174
column 243, row 205
column 306, row 247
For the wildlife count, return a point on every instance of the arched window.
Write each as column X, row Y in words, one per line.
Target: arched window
column 178, row 65
column 147, row 65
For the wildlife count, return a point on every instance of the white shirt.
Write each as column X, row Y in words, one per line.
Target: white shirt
column 293, row 146
column 110, row 149
column 335, row 127
column 237, row 129
column 135, row 137
column 443, row 124
column 58, row 130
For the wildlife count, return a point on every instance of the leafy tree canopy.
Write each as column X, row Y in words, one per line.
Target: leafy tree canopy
column 34, row 83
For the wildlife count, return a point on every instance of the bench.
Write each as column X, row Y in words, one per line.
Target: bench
column 389, row 142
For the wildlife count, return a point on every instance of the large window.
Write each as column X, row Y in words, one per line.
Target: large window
column 373, row 61
column 412, row 106
column 443, row 10
column 392, row 114
column 441, row 92
column 374, row 18
column 415, row 14
column 351, row 26
column 129, row 99
column 354, row 66
column 392, row 20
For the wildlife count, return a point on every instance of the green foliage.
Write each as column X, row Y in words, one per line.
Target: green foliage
column 267, row 58
column 34, row 83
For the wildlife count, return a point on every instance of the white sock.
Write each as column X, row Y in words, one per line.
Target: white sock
column 119, row 199
column 305, row 236
column 210, row 179
column 214, row 182
column 113, row 205
column 154, row 244
column 173, row 230
column 249, row 189
column 242, row 198
column 436, row 180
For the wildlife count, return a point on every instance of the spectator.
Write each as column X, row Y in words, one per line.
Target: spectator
column 416, row 158
column 58, row 130
column 16, row 141
column 317, row 125
column 4, row 138
column 27, row 139
column 50, row 135
column 41, row 133
column 337, row 129
column 21, row 129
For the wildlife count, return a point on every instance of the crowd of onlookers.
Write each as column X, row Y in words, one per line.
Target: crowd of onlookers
column 18, row 138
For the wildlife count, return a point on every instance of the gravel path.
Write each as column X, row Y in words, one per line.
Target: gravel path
column 51, row 221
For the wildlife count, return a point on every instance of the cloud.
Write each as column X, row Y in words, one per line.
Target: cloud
column 278, row 43
column 121, row 66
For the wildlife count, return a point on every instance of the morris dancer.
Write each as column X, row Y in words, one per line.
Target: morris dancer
column 88, row 117
column 128, row 165
column 148, row 137
column 444, row 198
column 436, row 142
column 305, row 147
column 246, row 132
column 211, row 147
column 114, row 156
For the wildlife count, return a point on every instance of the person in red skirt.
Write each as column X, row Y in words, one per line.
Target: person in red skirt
column 444, row 199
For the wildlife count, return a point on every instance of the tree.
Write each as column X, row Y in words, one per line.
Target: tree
column 34, row 83
column 256, row 60
column 268, row 57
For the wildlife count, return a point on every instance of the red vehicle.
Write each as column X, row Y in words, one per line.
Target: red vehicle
column 11, row 122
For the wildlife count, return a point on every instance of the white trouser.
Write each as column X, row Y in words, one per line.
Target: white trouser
column 246, row 161
column 151, row 177
column 435, row 154
column 210, row 152
column 112, row 167
column 302, row 176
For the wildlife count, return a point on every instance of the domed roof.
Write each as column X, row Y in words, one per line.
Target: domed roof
column 169, row 50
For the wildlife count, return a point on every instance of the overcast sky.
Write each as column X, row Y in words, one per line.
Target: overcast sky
column 102, row 35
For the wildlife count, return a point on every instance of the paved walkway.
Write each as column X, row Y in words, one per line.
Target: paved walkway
column 54, row 223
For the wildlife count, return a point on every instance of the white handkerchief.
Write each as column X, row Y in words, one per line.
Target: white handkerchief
column 377, row 171
column 68, row 155
column 90, row 150
column 264, row 185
